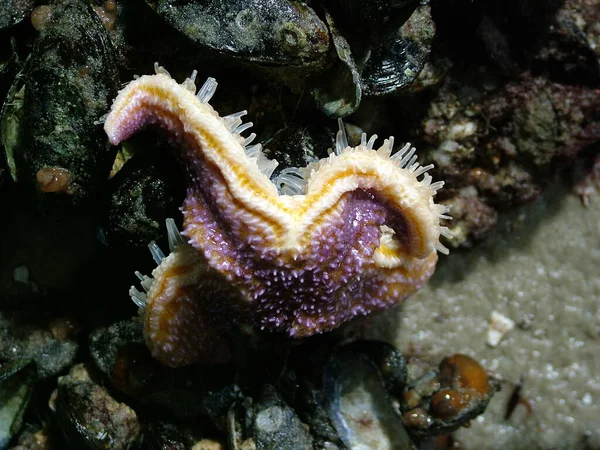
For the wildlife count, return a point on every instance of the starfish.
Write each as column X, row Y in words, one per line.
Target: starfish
column 353, row 233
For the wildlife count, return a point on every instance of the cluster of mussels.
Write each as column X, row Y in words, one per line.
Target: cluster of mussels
column 275, row 395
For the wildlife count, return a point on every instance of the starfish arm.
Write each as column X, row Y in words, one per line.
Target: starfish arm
column 179, row 326
column 412, row 215
column 203, row 138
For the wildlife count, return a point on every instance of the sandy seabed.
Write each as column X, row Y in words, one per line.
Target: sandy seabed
column 541, row 268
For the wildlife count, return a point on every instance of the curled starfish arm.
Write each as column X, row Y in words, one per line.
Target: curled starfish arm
column 208, row 144
column 189, row 120
column 179, row 326
column 414, row 218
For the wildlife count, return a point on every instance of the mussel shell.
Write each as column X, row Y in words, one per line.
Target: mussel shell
column 71, row 80
column 389, row 362
column 161, row 436
column 310, row 405
column 17, row 380
column 11, row 126
column 277, row 33
column 338, row 91
column 90, row 418
column 396, row 63
column 359, row 406
column 369, row 21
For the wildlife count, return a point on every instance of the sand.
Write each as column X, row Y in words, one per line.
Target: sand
column 541, row 268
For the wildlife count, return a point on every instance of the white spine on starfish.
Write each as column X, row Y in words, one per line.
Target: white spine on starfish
column 290, row 181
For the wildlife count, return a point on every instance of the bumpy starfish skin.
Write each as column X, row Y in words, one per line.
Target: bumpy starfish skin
column 361, row 238
column 172, row 305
